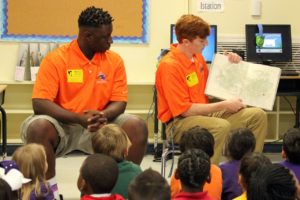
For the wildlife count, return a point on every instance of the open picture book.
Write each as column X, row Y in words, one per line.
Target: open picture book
column 255, row 84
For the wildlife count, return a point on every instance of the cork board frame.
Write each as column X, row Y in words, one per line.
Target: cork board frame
column 56, row 20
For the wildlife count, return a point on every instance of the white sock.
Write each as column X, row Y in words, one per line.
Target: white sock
column 53, row 186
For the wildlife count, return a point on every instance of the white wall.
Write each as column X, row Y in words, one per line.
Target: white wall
column 237, row 13
column 140, row 60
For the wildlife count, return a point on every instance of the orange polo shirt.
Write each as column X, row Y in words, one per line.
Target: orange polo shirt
column 180, row 82
column 214, row 188
column 76, row 83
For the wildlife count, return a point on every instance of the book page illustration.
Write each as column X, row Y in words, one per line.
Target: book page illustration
column 255, row 84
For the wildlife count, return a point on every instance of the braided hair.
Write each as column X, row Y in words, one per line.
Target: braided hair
column 94, row 17
column 193, row 168
column 272, row 182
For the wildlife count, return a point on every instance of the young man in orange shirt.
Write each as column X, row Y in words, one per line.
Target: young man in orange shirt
column 80, row 87
column 180, row 82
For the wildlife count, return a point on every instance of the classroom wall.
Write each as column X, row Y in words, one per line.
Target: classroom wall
column 140, row 60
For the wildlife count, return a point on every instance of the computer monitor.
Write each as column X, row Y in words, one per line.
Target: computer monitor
column 268, row 43
column 210, row 50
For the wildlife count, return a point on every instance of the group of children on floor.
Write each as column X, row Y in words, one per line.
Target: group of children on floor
column 106, row 175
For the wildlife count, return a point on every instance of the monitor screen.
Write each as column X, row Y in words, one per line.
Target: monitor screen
column 210, row 50
column 268, row 44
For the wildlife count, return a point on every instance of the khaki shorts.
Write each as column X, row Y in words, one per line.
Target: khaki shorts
column 72, row 136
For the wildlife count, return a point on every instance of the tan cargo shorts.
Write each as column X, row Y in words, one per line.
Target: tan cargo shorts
column 72, row 136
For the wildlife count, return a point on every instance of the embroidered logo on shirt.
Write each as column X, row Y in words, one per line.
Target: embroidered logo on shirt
column 101, row 77
column 192, row 79
column 75, row 76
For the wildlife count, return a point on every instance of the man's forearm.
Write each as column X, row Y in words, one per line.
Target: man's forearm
column 46, row 107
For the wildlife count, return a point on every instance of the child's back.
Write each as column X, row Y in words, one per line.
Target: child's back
column 111, row 140
column 240, row 143
column 200, row 138
column 291, row 151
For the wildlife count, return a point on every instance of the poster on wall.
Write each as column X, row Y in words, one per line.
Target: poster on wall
column 56, row 20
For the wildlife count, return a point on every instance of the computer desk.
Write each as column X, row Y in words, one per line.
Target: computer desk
column 290, row 86
column 3, row 121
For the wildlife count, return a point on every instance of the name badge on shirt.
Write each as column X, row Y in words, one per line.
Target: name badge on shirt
column 75, row 76
column 192, row 79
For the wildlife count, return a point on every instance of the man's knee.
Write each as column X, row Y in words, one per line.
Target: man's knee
column 259, row 114
column 136, row 129
column 41, row 131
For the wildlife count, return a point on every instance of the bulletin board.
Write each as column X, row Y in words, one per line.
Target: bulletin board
column 56, row 20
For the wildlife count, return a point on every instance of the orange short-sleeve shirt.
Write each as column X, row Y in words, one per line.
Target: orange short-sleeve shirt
column 76, row 83
column 180, row 82
column 214, row 188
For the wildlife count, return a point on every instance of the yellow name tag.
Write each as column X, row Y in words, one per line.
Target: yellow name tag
column 75, row 76
column 192, row 79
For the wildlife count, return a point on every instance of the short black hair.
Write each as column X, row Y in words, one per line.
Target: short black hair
column 239, row 143
column 149, row 185
column 198, row 138
column 250, row 163
column 291, row 145
column 193, row 168
column 100, row 172
column 94, row 17
column 272, row 182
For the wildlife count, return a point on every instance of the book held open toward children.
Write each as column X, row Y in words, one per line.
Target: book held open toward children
column 255, row 84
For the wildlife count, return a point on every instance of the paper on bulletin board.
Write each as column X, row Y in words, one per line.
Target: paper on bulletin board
column 210, row 6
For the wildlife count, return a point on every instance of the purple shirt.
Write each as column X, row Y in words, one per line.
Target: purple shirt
column 293, row 167
column 231, row 187
column 46, row 195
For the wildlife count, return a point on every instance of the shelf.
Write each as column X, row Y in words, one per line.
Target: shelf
column 19, row 111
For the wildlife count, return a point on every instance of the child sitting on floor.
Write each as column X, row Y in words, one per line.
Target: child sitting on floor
column 32, row 161
column 200, row 138
column 240, row 143
column 98, row 175
column 149, row 185
column 112, row 140
column 291, row 151
column 193, row 171
column 249, row 164
column 272, row 182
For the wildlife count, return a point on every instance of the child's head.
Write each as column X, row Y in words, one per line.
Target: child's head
column 32, row 161
column 149, row 185
column 198, row 138
column 291, row 145
column 272, row 182
column 111, row 140
column 239, row 143
column 249, row 164
column 193, row 170
column 5, row 190
column 98, row 174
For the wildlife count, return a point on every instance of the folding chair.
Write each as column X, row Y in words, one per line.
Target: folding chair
column 167, row 149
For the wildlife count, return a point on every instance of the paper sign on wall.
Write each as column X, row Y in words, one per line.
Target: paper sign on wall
column 210, row 6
